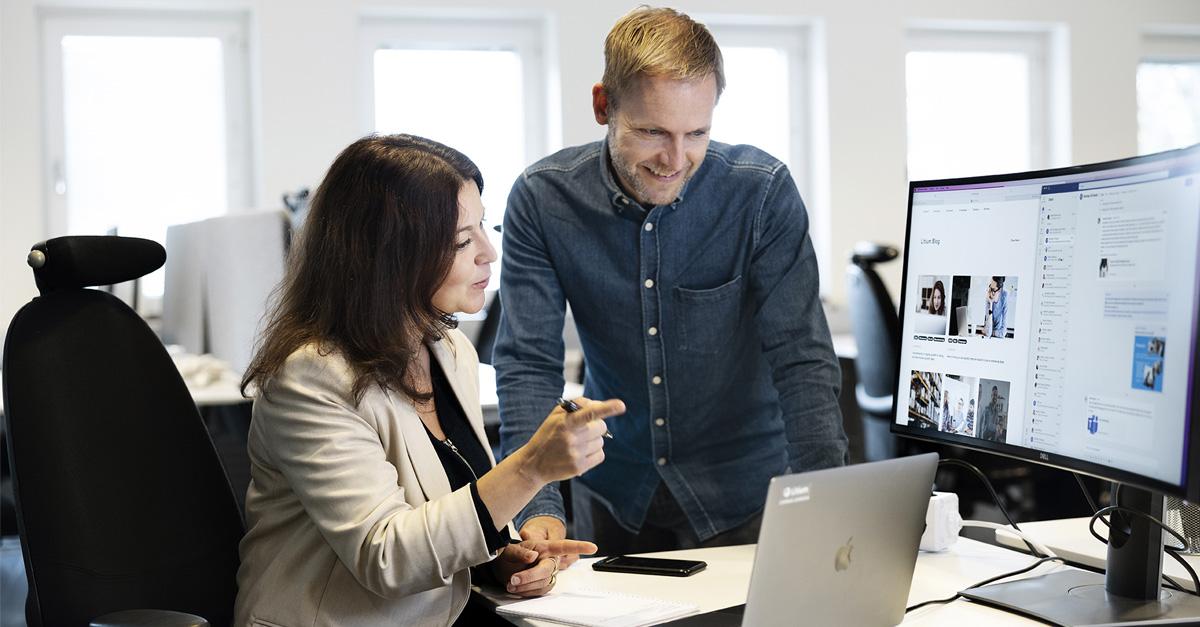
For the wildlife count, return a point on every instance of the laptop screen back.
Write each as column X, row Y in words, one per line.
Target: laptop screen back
column 838, row 546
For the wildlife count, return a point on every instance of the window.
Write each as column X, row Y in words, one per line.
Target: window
column 970, row 90
column 476, row 85
column 1168, row 93
column 769, row 102
column 147, row 121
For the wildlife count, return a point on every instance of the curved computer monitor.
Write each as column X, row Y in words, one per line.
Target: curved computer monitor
column 1052, row 316
column 1065, row 332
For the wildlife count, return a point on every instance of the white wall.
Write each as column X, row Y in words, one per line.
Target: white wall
column 306, row 84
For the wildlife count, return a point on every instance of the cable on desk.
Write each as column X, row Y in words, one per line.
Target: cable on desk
column 1173, row 552
column 1040, row 550
column 992, row 491
column 1169, row 550
column 1020, row 571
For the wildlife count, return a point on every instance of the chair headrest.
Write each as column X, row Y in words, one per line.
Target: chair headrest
column 867, row 253
column 79, row 261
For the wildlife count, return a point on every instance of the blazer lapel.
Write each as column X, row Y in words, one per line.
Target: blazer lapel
column 465, row 383
column 422, row 456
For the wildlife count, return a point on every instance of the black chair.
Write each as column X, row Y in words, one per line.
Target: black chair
column 876, row 328
column 122, row 504
column 485, row 343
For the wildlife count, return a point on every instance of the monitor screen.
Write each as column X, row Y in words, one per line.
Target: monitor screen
column 1052, row 316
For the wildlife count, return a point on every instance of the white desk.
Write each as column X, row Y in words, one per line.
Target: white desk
column 1069, row 538
column 225, row 391
column 726, row 581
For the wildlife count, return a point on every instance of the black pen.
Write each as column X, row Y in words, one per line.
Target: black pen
column 572, row 407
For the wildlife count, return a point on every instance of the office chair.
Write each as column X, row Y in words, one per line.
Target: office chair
column 122, row 504
column 876, row 328
column 485, row 343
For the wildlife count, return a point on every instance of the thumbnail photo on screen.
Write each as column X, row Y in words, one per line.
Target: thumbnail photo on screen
column 993, row 410
column 983, row 306
column 932, row 310
column 957, row 404
column 924, row 400
column 1148, row 351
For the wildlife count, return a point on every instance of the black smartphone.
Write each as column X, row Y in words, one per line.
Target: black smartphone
column 649, row 566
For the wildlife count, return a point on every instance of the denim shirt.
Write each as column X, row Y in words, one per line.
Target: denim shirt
column 703, row 316
column 999, row 311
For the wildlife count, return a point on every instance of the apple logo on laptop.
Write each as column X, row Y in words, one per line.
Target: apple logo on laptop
column 841, row 560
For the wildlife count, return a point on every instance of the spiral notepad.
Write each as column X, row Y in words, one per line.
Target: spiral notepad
column 595, row 608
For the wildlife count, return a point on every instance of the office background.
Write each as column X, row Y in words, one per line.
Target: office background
column 1055, row 81
column 308, row 87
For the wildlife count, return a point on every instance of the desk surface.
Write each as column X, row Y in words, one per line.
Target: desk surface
column 1069, row 538
column 726, row 581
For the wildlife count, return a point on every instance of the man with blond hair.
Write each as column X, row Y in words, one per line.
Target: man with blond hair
column 691, row 276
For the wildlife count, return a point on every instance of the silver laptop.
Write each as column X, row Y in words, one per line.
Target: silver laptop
column 837, row 546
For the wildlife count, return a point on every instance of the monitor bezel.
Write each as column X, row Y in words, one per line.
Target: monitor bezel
column 1190, row 487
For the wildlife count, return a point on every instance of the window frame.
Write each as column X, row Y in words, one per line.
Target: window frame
column 808, row 158
column 230, row 27
column 1170, row 47
column 793, row 41
column 522, row 34
column 1165, row 46
column 1047, row 142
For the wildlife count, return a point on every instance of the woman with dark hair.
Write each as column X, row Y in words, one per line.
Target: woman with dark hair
column 937, row 299
column 373, row 490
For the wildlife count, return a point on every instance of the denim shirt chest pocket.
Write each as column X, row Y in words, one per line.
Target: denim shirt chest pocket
column 709, row 317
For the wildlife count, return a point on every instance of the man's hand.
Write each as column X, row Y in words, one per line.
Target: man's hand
column 548, row 528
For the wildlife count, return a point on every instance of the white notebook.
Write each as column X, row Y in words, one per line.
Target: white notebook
column 594, row 608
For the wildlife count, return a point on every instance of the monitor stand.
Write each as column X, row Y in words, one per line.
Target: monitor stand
column 1131, row 590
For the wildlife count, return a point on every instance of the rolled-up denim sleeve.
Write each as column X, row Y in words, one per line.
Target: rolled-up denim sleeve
column 793, row 330
column 528, row 355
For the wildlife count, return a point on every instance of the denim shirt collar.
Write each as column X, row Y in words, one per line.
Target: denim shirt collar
column 626, row 206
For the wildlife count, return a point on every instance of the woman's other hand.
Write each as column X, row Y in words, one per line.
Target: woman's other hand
column 531, row 568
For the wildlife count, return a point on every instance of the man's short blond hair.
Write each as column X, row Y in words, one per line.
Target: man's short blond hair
column 658, row 42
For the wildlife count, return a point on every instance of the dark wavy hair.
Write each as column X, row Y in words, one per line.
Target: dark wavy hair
column 938, row 287
column 376, row 245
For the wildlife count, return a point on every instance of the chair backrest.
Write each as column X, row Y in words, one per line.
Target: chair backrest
column 485, row 343
column 874, row 322
column 122, row 502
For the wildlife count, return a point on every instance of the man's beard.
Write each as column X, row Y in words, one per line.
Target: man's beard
column 628, row 174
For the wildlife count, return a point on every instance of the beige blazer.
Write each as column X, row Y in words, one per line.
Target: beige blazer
column 350, row 516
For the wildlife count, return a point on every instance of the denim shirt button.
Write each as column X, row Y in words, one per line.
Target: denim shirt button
column 649, row 283
column 649, row 226
column 652, row 331
column 657, row 380
column 662, row 461
column 660, row 421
